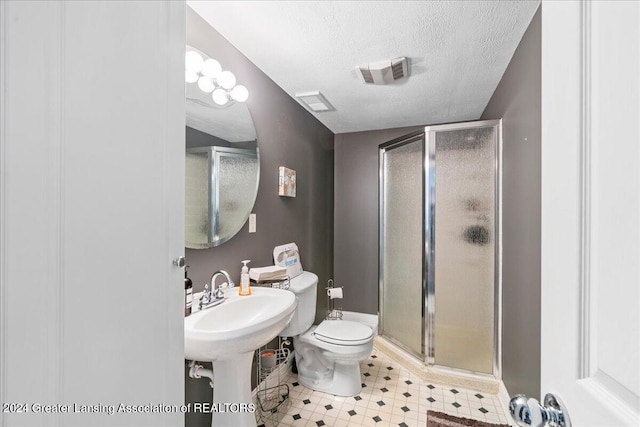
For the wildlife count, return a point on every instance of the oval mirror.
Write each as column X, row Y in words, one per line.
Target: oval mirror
column 222, row 167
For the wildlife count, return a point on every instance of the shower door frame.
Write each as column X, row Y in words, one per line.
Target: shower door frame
column 214, row 155
column 430, row 190
column 427, row 135
column 382, row 149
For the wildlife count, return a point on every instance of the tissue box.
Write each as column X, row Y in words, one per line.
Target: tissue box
column 266, row 274
column 288, row 256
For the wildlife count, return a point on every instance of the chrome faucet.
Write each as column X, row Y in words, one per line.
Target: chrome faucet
column 215, row 296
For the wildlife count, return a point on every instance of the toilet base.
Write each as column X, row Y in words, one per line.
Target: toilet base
column 328, row 367
column 345, row 380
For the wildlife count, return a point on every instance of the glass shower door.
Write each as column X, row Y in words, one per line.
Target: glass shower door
column 439, row 245
column 234, row 171
column 197, row 199
column 218, row 180
column 463, row 205
column 401, row 237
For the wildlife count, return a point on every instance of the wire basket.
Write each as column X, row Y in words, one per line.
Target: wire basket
column 273, row 400
column 276, row 284
column 272, row 392
column 334, row 314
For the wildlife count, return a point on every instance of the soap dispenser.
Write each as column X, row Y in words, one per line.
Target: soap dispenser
column 244, row 288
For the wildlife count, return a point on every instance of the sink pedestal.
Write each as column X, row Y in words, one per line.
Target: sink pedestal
column 228, row 335
column 232, row 386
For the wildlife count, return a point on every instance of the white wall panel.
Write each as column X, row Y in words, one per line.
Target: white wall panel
column 92, row 208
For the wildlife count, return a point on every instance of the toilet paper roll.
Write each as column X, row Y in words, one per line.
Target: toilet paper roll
column 334, row 293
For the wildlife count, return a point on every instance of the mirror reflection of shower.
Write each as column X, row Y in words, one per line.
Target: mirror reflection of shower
column 439, row 245
column 222, row 165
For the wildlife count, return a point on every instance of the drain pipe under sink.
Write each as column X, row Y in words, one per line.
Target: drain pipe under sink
column 198, row 371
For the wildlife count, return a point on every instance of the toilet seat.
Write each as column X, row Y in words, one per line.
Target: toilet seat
column 343, row 332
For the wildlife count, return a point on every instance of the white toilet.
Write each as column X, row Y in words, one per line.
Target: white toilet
column 328, row 356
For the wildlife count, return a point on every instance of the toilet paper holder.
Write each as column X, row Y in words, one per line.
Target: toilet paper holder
column 333, row 313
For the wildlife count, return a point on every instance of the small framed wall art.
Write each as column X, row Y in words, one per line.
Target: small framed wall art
column 286, row 182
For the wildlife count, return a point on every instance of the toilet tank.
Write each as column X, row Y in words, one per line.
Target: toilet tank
column 304, row 286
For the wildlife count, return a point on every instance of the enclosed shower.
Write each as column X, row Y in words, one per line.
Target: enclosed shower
column 440, row 245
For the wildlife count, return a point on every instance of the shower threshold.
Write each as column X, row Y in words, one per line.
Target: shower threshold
column 438, row 374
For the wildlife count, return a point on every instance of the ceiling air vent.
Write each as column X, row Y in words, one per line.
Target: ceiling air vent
column 383, row 72
column 365, row 74
column 315, row 101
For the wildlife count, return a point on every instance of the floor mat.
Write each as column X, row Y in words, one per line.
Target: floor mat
column 440, row 419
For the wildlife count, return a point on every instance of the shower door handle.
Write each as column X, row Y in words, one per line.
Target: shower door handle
column 528, row 412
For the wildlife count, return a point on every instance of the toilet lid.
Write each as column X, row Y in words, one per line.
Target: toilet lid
column 343, row 332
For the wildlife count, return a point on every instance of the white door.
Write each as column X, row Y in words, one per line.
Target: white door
column 591, row 209
column 91, row 212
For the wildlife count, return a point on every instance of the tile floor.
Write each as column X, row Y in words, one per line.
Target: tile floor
column 391, row 396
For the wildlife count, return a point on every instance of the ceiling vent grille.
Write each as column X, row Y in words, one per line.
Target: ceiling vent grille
column 315, row 101
column 366, row 75
column 383, row 72
column 398, row 70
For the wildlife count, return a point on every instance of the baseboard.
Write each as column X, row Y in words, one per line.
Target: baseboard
column 479, row 383
column 504, row 397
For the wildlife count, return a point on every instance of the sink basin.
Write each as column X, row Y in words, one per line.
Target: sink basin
column 227, row 335
column 239, row 325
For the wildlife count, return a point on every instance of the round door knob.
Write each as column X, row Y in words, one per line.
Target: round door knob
column 528, row 412
column 179, row 262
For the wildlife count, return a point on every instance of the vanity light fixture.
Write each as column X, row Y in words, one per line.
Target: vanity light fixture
column 212, row 79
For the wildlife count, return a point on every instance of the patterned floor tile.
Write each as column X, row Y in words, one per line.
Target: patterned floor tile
column 391, row 396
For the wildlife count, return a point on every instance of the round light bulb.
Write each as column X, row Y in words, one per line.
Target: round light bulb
column 240, row 93
column 193, row 61
column 206, row 84
column 220, row 96
column 226, row 79
column 211, row 68
column 190, row 76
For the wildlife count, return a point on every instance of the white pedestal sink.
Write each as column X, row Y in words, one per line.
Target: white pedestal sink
column 228, row 335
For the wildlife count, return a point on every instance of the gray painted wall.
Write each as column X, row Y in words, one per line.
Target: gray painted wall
column 355, row 253
column 517, row 101
column 288, row 136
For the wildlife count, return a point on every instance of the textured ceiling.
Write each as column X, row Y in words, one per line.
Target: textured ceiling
column 457, row 50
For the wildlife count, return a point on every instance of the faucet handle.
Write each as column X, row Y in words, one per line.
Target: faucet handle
column 205, row 298
column 219, row 294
